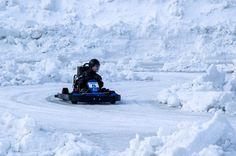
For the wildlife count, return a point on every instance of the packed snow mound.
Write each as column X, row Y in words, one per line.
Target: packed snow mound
column 214, row 138
column 213, row 77
column 23, row 136
column 210, row 92
column 59, row 70
column 150, row 33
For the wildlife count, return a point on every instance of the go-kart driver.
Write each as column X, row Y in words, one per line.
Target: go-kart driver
column 91, row 74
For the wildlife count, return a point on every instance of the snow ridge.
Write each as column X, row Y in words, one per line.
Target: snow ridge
column 23, row 136
column 215, row 137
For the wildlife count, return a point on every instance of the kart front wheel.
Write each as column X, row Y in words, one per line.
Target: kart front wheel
column 113, row 102
column 65, row 91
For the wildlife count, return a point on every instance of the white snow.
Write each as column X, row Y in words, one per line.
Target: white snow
column 152, row 36
column 139, row 44
column 60, row 70
column 214, row 138
column 23, row 136
column 210, row 92
column 107, row 126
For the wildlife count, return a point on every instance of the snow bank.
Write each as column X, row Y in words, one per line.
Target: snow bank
column 210, row 92
column 150, row 34
column 23, row 136
column 59, row 69
column 215, row 137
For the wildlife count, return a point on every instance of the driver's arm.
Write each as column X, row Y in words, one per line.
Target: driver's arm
column 98, row 78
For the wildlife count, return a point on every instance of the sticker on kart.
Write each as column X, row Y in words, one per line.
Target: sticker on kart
column 93, row 86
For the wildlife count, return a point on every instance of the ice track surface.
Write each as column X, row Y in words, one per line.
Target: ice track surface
column 109, row 126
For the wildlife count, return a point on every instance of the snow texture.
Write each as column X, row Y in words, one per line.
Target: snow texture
column 210, row 92
column 59, row 70
column 23, row 136
column 214, row 138
column 44, row 40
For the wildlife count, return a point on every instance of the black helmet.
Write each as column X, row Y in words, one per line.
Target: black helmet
column 93, row 63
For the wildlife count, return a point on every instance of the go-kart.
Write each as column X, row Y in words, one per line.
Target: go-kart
column 92, row 95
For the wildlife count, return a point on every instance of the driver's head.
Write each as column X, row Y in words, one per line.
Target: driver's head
column 94, row 65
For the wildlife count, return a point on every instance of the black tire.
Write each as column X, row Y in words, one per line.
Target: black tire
column 74, row 102
column 65, row 91
column 113, row 102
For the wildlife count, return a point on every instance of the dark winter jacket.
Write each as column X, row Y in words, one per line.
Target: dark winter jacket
column 89, row 75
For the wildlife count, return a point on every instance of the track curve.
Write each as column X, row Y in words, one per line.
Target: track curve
column 138, row 112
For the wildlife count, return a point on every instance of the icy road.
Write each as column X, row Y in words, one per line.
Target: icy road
column 109, row 126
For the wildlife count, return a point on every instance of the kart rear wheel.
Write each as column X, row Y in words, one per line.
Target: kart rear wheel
column 65, row 91
column 74, row 102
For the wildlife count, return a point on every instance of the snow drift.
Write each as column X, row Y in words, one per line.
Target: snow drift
column 210, row 92
column 23, row 136
column 59, row 70
column 214, row 138
column 151, row 34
